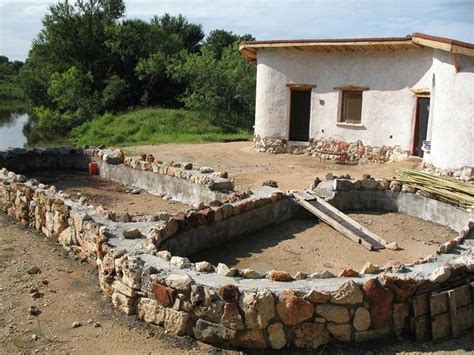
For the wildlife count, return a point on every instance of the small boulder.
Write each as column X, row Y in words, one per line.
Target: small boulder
column 229, row 293
column 224, row 270
column 369, row 268
column 392, row 246
column 131, row 233
column 182, row 263
column 322, row 275
column 348, row 272
column 293, row 309
column 250, row 274
column 281, row 276
column 361, row 319
column 203, row 266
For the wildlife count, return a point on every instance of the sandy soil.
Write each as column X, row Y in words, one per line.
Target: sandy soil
column 72, row 294
column 250, row 168
column 109, row 194
column 308, row 246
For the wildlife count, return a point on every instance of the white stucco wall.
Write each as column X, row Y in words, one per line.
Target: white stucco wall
column 452, row 112
column 388, row 108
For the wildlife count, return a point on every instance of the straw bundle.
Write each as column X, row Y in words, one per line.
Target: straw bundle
column 446, row 190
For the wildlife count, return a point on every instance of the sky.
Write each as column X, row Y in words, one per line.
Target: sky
column 20, row 20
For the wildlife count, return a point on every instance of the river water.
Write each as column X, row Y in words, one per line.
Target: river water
column 11, row 131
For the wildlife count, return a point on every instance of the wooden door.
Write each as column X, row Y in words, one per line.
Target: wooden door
column 300, row 108
column 421, row 125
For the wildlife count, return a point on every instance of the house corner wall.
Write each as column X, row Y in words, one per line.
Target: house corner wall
column 452, row 137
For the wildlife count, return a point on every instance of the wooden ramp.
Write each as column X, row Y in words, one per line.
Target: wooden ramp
column 339, row 221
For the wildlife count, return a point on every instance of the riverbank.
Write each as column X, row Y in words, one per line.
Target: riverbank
column 138, row 127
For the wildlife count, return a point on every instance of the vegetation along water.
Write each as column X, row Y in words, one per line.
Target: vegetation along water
column 95, row 76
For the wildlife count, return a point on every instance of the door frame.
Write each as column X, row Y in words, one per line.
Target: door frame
column 420, row 95
column 299, row 87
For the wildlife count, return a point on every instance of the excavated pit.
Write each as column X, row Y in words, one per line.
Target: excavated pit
column 308, row 245
column 113, row 196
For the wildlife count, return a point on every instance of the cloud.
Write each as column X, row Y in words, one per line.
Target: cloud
column 20, row 20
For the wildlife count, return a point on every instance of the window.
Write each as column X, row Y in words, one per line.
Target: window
column 351, row 110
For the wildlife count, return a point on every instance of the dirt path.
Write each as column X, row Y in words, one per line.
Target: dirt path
column 250, row 168
column 72, row 295
column 304, row 245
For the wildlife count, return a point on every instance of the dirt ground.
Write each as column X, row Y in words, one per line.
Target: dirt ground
column 111, row 195
column 69, row 291
column 71, row 294
column 250, row 168
column 305, row 245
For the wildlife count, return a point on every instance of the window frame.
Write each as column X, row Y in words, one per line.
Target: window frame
column 342, row 117
column 350, row 89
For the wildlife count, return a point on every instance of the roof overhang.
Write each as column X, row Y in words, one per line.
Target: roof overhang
column 416, row 40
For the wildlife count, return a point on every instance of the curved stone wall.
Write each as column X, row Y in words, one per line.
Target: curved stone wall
column 223, row 305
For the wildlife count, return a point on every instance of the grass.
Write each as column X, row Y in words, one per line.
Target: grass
column 152, row 126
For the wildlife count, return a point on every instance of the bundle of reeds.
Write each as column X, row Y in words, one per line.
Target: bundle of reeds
column 443, row 189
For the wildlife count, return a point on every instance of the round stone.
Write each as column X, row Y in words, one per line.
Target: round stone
column 361, row 319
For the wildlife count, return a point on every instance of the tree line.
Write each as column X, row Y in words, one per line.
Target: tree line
column 89, row 60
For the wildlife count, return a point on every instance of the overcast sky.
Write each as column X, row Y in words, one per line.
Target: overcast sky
column 20, row 20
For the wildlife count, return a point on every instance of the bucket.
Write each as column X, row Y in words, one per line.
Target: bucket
column 93, row 169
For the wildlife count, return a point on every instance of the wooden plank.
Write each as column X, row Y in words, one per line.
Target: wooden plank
column 466, row 317
column 305, row 196
column 352, row 222
column 421, row 305
column 440, row 327
column 438, row 304
column 339, row 221
column 453, row 314
column 422, row 328
column 301, row 86
column 462, row 296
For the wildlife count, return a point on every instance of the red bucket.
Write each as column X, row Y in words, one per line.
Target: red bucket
column 93, row 169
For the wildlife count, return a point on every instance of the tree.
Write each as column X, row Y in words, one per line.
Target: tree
column 71, row 90
column 72, row 35
column 223, row 87
column 191, row 34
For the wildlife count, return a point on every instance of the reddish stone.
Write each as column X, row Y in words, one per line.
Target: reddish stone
column 252, row 339
column 246, row 206
column 262, row 202
column 293, row 309
column 348, row 273
column 182, row 220
column 281, row 276
column 163, row 294
column 402, row 289
column 380, row 303
column 277, row 195
column 400, row 314
column 29, row 192
column 215, row 203
column 196, row 219
column 209, row 214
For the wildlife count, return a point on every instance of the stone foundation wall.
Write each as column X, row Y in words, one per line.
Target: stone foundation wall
column 465, row 174
column 331, row 149
column 222, row 305
column 184, row 182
